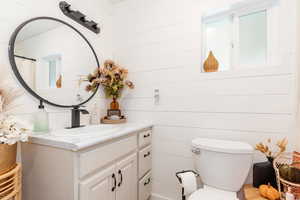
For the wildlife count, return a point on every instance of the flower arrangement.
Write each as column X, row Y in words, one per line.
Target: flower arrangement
column 111, row 77
column 270, row 150
column 11, row 130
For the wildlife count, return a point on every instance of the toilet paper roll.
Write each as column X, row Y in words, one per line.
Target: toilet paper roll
column 189, row 182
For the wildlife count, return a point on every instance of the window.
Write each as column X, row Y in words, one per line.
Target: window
column 219, row 44
column 52, row 73
column 241, row 36
column 253, row 38
column 54, row 68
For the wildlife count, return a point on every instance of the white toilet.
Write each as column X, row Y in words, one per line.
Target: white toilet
column 223, row 167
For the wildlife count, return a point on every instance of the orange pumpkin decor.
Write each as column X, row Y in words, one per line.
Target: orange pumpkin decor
column 269, row 192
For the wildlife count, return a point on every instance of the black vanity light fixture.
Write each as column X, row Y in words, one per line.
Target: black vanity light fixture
column 78, row 17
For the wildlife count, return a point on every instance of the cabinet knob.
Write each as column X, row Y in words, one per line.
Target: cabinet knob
column 147, row 135
column 147, row 154
column 147, row 182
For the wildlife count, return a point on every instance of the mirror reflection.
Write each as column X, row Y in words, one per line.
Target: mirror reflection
column 51, row 57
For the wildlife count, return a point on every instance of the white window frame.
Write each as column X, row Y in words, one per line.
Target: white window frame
column 58, row 67
column 243, row 8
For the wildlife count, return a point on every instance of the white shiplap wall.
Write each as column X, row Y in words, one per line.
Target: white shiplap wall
column 159, row 41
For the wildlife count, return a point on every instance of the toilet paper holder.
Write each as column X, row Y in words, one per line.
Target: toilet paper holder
column 180, row 180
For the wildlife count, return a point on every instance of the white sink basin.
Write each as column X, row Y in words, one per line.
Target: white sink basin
column 82, row 134
column 87, row 130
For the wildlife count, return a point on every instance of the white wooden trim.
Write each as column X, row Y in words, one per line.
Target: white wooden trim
column 204, row 43
column 235, row 41
column 273, row 32
column 216, row 15
column 243, row 6
column 249, row 6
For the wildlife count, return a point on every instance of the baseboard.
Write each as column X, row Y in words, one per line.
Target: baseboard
column 158, row 197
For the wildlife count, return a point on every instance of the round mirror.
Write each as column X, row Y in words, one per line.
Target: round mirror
column 49, row 57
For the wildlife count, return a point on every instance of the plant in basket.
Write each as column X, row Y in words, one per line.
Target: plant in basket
column 113, row 79
column 287, row 167
column 263, row 172
column 12, row 130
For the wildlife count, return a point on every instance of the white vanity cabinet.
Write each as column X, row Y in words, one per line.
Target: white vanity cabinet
column 117, row 168
column 117, row 182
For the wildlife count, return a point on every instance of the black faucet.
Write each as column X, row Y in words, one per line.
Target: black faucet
column 76, row 116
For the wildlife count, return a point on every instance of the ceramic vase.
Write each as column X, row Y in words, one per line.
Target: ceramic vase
column 211, row 64
column 264, row 173
column 114, row 105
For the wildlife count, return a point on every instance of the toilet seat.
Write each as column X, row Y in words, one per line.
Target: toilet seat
column 212, row 194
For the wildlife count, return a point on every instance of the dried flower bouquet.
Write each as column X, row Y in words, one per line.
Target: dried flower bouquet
column 270, row 150
column 111, row 77
column 11, row 129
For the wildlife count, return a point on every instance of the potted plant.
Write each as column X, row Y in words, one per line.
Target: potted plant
column 11, row 129
column 112, row 78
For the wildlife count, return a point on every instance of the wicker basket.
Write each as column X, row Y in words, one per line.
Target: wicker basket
column 291, row 159
column 10, row 184
column 8, row 154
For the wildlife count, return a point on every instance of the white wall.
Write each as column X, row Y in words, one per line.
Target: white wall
column 159, row 41
column 17, row 11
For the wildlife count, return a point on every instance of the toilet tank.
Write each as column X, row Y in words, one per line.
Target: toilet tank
column 222, row 164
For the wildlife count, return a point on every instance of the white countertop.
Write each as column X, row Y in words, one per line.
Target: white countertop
column 80, row 138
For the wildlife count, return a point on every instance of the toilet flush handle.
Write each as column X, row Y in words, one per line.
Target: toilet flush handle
column 196, row 150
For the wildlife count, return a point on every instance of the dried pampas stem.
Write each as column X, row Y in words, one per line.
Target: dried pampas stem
column 8, row 95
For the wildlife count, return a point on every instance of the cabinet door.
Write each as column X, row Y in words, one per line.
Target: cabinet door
column 127, row 178
column 99, row 186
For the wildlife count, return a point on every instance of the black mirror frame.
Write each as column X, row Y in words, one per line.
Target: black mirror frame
column 13, row 64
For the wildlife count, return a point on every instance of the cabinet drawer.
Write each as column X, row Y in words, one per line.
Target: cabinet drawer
column 145, row 138
column 103, row 155
column 145, row 187
column 145, row 161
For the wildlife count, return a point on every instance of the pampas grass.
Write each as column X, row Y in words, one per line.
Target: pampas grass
column 269, row 150
column 8, row 95
column 11, row 129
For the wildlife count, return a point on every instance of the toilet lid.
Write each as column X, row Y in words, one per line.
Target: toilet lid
column 212, row 194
